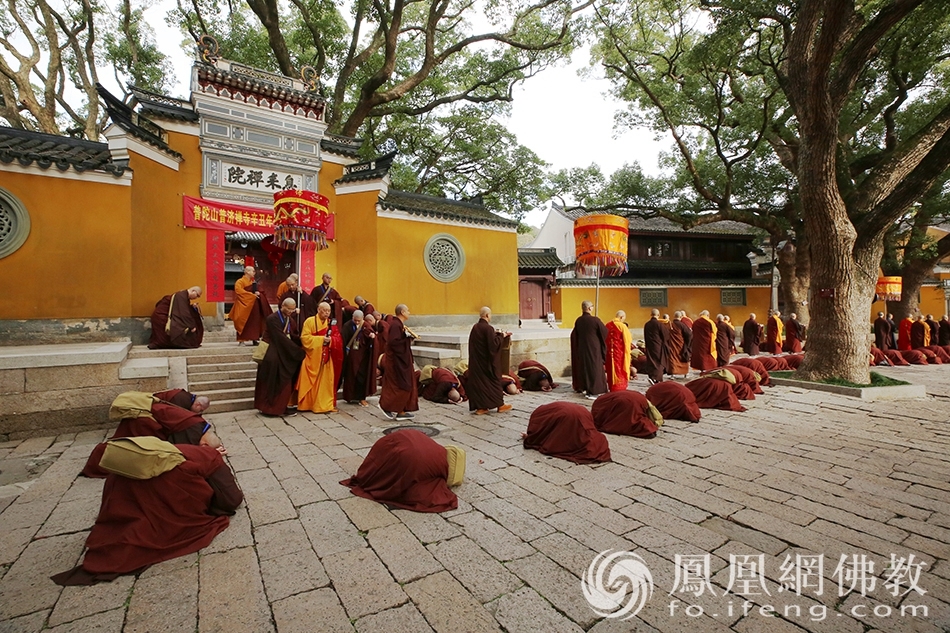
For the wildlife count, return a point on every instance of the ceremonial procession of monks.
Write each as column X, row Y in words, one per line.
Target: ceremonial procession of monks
column 168, row 491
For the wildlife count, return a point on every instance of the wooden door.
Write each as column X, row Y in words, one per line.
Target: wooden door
column 531, row 295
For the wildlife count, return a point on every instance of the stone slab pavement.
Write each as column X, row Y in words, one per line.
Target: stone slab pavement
column 809, row 512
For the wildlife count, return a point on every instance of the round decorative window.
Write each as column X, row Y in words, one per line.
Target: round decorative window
column 444, row 257
column 14, row 224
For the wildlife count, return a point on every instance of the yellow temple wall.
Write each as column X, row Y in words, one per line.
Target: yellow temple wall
column 76, row 262
column 166, row 256
column 566, row 303
column 490, row 277
column 357, row 262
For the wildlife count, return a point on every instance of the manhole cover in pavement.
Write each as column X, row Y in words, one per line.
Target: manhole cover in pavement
column 428, row 430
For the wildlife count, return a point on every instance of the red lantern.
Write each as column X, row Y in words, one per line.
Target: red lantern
column 300, row 216
column 274, row 253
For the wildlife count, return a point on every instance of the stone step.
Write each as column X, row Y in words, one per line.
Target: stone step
column 213, row 384
column 221, row 359
column 233, row 404
column 438, row 356
column 229, row 394
column 207, row 368
column 196, row 373
column 208, row 349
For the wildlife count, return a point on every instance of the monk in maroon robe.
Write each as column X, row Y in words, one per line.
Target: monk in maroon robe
column 882, row 333
column 184, row 399
column 176, row 322
column 748, row 377
column 142, row 522
column 681, row 343
column 724, row 341
column 405, row 469
column 589, row 353
column 566, row 430
column 940, row 353
column 400, row 395
column 656, row 339
column 794, row 335
column 703, row 354
column 484, row 386
column 896, row 356
column 752, row 332
column 535, row 376
column 443, row 388
column 794, row 360
column 755, row 364
column 879, row 358
column 943, row 333
column 932, row 358
column 359, row 367
column 774, row 363
column 624, row 413
column 327, row 293
column 713, row 393
column 277, row 372
column 919, row 334
column 674, row 401
column 914, row 357
column 168, row 422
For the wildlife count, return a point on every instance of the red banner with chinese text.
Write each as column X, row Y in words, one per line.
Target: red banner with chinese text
column 307, row 280
column 221, row 216
column 214, row 265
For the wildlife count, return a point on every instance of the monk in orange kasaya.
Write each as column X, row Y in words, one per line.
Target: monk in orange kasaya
column 618, row 353
column 250, row 308
column 316, row 386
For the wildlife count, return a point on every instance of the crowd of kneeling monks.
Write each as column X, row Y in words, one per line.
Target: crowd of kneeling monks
column 168, row 491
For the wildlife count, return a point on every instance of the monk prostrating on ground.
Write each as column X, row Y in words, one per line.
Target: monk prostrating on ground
column 713, row 393
column 626, row 413
column 408, row 469
column 674, row 401
column 142, row 522
column 535, row 376
column 566, row 430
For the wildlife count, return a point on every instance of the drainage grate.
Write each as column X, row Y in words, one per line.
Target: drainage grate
column 428, row 430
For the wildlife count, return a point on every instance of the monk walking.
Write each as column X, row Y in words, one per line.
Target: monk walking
column 249, row 309
column 359, row 367
column 400, row 394
column 794, row 335
column 773, row 333
column 484, row 385
column 656, row 339
column 278, row 371
column 681, row 342
column 751, row 335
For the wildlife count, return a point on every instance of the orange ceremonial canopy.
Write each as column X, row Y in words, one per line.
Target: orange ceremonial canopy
column 888, row 289
column 300, row 216
column 600, row 242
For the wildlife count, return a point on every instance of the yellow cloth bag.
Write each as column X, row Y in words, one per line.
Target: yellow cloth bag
column 721, row 374
column 654, row 414
column 132, row 404
column 140, row 457
column 456, row 457
column 259, row 351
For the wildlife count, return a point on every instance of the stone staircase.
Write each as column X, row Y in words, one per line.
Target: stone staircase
column 220, row 369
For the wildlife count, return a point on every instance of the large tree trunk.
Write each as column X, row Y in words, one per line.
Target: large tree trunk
column 913, row 274
column 841, row 284
column 794, row 265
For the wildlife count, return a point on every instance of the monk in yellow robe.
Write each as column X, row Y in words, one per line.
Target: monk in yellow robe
column 316, row 386
column 245, row 302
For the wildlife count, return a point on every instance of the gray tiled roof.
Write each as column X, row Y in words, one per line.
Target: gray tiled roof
column 341, row 145
column 442, row 208
column 538, row 258
column 368, row 169
column 138, row 125
column 63, row 152
column 662, row 283
column 162, row 106
column 662, row 225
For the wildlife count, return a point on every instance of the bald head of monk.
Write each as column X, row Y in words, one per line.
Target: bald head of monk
column 704, row 313
column 250, row 272
column 369, row 319
column 287, row 306
column 485, row 313
column 200, row 404
column 654, row 313
column 402, row 312
column 587, row 306
column 454, row 396
column 323, row 310
column 194, row 292
column 621, row 315
column 358, row 318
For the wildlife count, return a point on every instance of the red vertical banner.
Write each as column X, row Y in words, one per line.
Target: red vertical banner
column 307, row 280
column 214, row 265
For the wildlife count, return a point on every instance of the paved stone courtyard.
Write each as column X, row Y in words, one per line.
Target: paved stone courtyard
column 800, row 472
